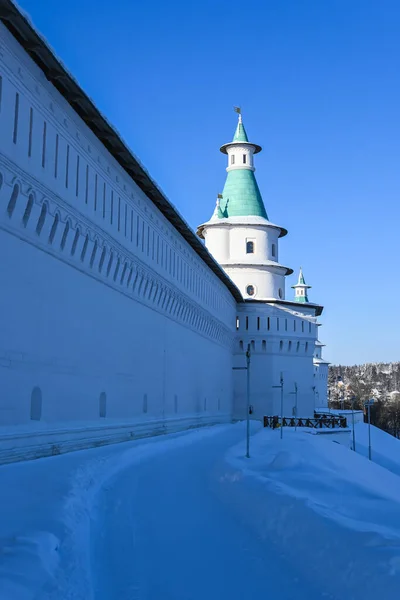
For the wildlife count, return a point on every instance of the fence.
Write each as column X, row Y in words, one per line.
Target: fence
column 320, row 422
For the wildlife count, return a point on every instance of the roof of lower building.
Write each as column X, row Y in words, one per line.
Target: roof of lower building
column 40, row 52
column 316, row 307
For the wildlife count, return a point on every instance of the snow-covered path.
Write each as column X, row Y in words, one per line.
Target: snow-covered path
column 187, row 517
column 162, row 531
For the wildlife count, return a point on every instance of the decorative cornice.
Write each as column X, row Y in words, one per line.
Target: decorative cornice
column 121, row 269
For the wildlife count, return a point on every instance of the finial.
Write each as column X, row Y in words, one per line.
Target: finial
column 238, row 110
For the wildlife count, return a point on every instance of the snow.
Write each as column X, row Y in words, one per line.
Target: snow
column 338, row 513
column 46, row 507
column 385, row 449
column 187, row 517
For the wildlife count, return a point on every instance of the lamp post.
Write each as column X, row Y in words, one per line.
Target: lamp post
column 295, row 405
column 247, row 368
column 248, row 356
column 368, row 404
column 352, row 417
column 281, row 387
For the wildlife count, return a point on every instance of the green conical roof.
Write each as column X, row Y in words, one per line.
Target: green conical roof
column 240, row 133
column 241, row 196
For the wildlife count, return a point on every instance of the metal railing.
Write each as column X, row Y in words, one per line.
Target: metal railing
column 320, row 422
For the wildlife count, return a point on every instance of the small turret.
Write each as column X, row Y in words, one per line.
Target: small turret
column 301, row 294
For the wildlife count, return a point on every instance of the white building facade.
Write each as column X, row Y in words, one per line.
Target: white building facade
column 116, row 320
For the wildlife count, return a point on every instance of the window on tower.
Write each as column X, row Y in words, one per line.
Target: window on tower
column 249, row 247
column 250, row 290
column 273, row 250
column 232, row 159
column 244, row 159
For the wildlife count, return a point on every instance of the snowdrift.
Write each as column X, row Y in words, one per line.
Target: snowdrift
column 334, row 514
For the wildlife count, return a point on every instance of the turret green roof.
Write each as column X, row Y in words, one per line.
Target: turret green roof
column 241, row 196
column 301, row 278
column 240, row 133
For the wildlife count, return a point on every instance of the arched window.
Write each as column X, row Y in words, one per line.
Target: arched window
column 110, row 262
column 116, row 270
column 28, row 210
column 102, row 405
column 249, row 247
column 93, row 255
column 124, row 270
column 290, row 346
column 13, row 200
column 273, row 250
column 102, row 259
column 264, row 346
column 306, row 347
column 84, row 249
column 75, row 242
column 53, row 229
column 36, row 404
column 65, row 235
column 302, row 326
column 268, row 323
column 41, row 219
column 280, row 293
column 281, row 346
column 297, row 346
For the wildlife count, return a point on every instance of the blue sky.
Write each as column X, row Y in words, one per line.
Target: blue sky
column 319, row 87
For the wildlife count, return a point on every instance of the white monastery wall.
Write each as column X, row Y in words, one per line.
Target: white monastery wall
column 105, row 308
column 321, row 384
column 280, row 342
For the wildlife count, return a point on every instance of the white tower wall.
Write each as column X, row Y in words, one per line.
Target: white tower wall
column 243, row 156
column 266, row 283
column 280, row 343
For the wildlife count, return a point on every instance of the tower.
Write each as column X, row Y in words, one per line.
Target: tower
column 280, row 333
column 239, row 234
column 301, row 294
